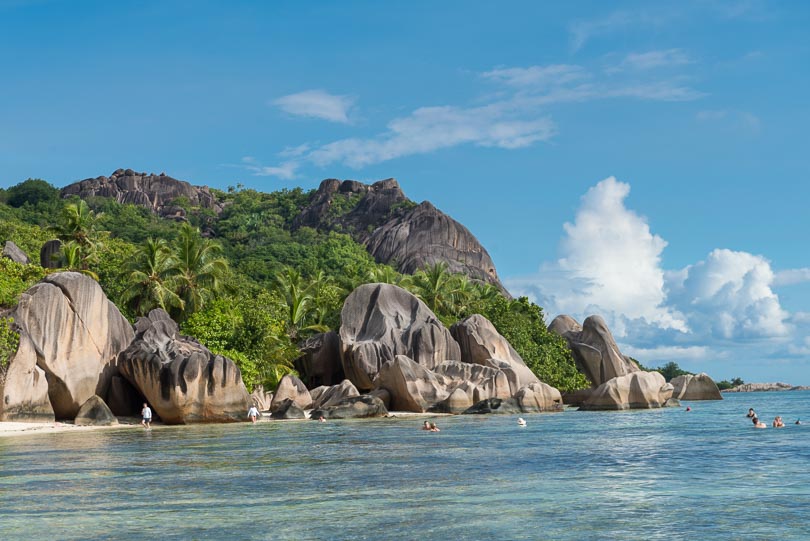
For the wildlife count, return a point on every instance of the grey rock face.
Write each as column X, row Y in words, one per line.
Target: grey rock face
column 23, row 386
column 123, row 399
column 95, row 412
column 695, row 387
column 412, row 387
column 381, row 321
column 636, row 390
column 495, row 405
column 290, row 387
column 356, row 407
column 538, row 397
column 155, row 192
column 181, row 379
column 425, row 236
column 50, row 255
column 261, row 398
column 14, row 253
column 480, row 343
column 320, row 363
column 331, row 396
column 286, row 409
column 77, row 334
column 458, row 402
column 595, row 351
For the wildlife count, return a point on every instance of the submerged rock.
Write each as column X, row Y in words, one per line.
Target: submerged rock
column 356, row 407
column 495, row 405
column 180, row 378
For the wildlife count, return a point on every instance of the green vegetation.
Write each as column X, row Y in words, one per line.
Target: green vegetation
column 9, row 342
column 726, row 384
column 253, row 286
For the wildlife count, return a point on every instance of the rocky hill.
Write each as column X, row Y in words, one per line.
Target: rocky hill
column 394, row 229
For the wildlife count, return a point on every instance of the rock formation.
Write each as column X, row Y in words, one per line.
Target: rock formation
column 381, row 321
column 14, row 253
column 290, row 387
column 320, row 363
column 123, row 399
column 538, row 397
column 458, row 402
column 331, row 396
column 636, row 390
column 76, row 334
column 23, row 386
column 478, row 381
column 764, row 387
column 286, row 409
column 95, row 412
column 595, row 351
column 50, row 255
column 495, row 405
column 181, row 379
column 695, row 387
column 480, row 343
column 156, row 192
column 261, row 398
column 412, row 387
column 356, row 407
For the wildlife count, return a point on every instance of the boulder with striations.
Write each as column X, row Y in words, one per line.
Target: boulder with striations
column 290, row 387
column 95, row 412
column 330, row 396
column 538, row 397
column 355, row 407
column 381, row 321
column 23, row 386
column 695, row 387
column 412, row 386
column 636, row 390
column 77, row 334
column 182, row 380
column 320, row 363
column 595, row 351
column 481, row 343
column 14, row 253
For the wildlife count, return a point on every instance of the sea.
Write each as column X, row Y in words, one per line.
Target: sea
column 665, row 474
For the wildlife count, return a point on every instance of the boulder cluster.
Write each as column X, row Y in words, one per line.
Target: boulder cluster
column 79, row 358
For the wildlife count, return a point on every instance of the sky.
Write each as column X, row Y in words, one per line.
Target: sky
column 645, row 161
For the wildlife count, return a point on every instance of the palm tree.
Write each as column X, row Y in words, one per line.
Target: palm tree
column 79, row 225
column 384, row 274
column 435, row 286
column 75, row 259
column 199, row 269
column 300, row 296
column 151, row 278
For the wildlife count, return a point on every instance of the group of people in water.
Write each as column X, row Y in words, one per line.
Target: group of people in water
column 777, row 421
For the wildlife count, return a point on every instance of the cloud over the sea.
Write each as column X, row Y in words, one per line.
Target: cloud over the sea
column 611, row 264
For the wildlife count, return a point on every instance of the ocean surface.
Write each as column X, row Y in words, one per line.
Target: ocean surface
column 654, row 474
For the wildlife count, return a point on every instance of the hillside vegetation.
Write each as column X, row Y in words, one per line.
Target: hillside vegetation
column 251, row 286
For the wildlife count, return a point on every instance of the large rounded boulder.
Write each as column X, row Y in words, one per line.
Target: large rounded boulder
column 638, row 390
column 320, row 363
column 77, row 334
column 23, row 386
column 695, row 387
column 290, row 387
column 594, row 349
column 180, row 378
column 539, row 397
column 480, row 343
column 412, row 387
column 381, row 321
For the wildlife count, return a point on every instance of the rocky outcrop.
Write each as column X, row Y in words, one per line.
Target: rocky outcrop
column 538, row 397
column 261, row 398
column 159, row 193
column 481, row 343
column 23, row 386
column 123, row 399
column 412, row 386
column 458, row 402
column 287, row 409
column 396, row 230
column 695, row 387
column 595, row 351
column 478, row 381
column 356, row 407
column 95, row 412
column 381, row 321
column 290, row 387
column 637, row 390
column 50, row 255
column 180, row 378
column 320, row 363
column 765, row 387
column 495, row 405
column 14, row 253
column 425, row 236
column 76, row 333
column 331, row 396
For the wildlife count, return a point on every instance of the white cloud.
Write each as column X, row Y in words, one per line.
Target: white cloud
column 654, row 59
column 610, row 264
column 317, row 104
column 583, row 31
column 537, row 76
column 791, row 277
column 284, row 171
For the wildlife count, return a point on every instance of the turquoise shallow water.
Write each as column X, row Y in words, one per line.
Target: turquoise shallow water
column 659, row 474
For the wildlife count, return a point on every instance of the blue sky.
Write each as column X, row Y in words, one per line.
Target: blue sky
column 646, row 161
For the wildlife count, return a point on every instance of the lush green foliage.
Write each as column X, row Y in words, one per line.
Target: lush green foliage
column 671, row 370
column 726, row 384
column 9, row 341
column 262, row 286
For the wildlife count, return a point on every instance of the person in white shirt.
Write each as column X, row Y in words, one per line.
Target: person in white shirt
column 253, row 413
column 146, row 414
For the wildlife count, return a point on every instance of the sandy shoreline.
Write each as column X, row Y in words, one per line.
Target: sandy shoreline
column 15, row 429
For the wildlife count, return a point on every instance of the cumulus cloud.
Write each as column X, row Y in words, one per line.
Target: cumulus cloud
column 316, row 104
column 610, row 264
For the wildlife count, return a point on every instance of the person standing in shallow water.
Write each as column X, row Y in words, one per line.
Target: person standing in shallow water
column 253, row 413
column 146, row 416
